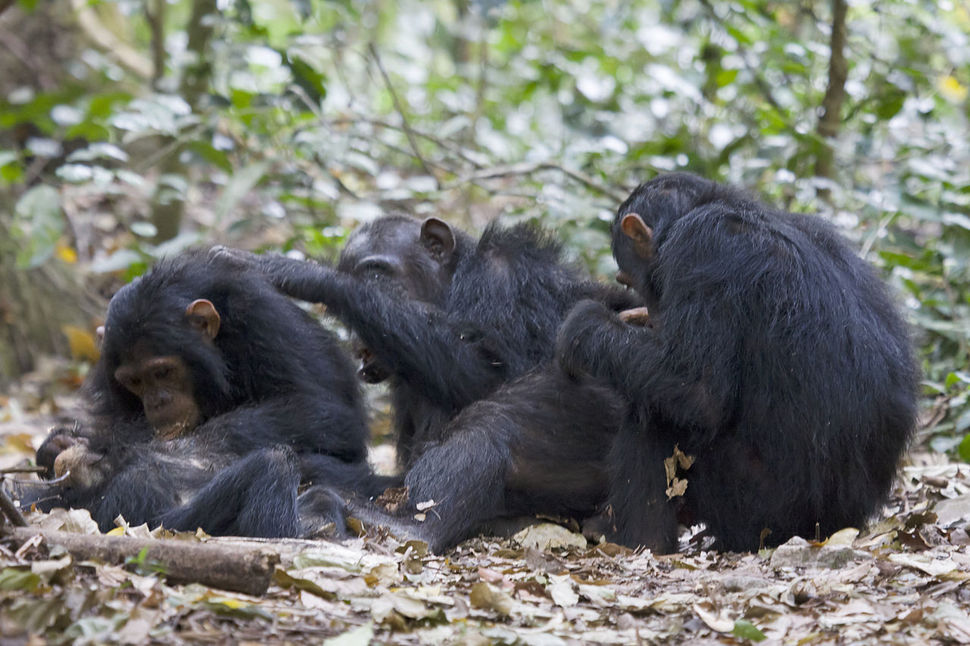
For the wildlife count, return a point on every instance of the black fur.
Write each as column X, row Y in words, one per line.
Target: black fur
column 279, row 399
column 486, row 427
column 774, row 355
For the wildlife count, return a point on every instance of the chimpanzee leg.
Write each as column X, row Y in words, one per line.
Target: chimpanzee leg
column 464, row 477
column 638, row 485
column 328, row 471
column 255, row 496
column 461, row 480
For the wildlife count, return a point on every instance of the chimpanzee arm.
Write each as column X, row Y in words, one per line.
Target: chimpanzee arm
column 450, row 364
column 651, row 367
column 312, row 420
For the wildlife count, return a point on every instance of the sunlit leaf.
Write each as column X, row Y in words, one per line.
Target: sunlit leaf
column 17, row 579
column 951, row 89
column 747, row 630
column 81, row 343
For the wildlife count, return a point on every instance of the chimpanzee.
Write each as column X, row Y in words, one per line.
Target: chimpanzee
column 465, row 332
column 772, row 354
column 213, row 398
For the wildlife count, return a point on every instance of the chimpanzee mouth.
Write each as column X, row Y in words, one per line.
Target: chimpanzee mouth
column 624, row 279
column 370, row 370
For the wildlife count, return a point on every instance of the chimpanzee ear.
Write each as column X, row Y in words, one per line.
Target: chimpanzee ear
column 637, row 230
column 438, row 238
column 204, row 317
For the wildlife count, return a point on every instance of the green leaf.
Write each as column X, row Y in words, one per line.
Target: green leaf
column 17, row 579
column 308, row 78
column 747, row 630
column 38, row 223
column 963, row 450
column 957, row 377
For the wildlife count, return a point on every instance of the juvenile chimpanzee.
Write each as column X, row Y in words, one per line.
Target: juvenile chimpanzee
column 773, row 355
column 465, row 332
column 213, row 397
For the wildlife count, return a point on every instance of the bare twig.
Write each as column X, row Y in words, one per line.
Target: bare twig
column 400, row 110
column 10, row 510
column 763, row 86
column 8, row 470
column 105, row 39
column 528, row 168
column 455, row 149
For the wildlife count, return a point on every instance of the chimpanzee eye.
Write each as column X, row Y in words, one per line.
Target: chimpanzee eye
column 162, row 372
column 374, row 269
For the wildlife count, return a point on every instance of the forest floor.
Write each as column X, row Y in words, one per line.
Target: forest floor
column 903, row 579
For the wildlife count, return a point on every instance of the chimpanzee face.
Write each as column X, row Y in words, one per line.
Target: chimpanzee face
column 642, row 220
column 404, row 255
column 148, row 358
column 164, row 385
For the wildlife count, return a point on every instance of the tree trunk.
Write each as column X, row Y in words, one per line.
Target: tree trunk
column 831, row 120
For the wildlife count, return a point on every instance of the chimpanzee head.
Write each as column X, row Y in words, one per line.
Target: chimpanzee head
column 159, row 356
column 413, row 258
column 642, row 222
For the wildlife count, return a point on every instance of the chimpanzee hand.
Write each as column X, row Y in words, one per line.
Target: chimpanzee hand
column 578, row 335
column 79, row 466
column 639, row 316
column 59, row 440
column 322, row 513
column 238, row 259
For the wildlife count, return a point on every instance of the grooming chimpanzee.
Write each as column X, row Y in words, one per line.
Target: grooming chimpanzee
column 214, row 396
column 772, row 354
column 465, row 332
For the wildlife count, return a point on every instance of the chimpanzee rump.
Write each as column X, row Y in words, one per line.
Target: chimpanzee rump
column 465, row 332
column 773, row 355
column 213, row 398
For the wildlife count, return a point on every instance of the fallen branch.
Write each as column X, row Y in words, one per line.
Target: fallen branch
column 217, row 566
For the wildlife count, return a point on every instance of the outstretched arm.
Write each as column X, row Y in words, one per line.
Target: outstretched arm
column 453, row 364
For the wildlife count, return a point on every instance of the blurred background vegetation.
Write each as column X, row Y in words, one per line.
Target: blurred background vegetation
column 133, row 128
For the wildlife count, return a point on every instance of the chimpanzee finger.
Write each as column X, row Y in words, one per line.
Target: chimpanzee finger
column 637, row 316
column 235, row 258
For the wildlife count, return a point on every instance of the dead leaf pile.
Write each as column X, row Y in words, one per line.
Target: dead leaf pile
column 902, row 580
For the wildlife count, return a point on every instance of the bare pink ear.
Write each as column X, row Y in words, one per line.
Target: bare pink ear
column 438, row 238
column 633, row 227
column 204, row 317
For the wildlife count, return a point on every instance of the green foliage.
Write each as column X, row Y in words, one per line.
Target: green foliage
column 320, row 113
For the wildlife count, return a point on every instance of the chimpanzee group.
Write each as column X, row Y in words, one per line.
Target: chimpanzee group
column 750, row 342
